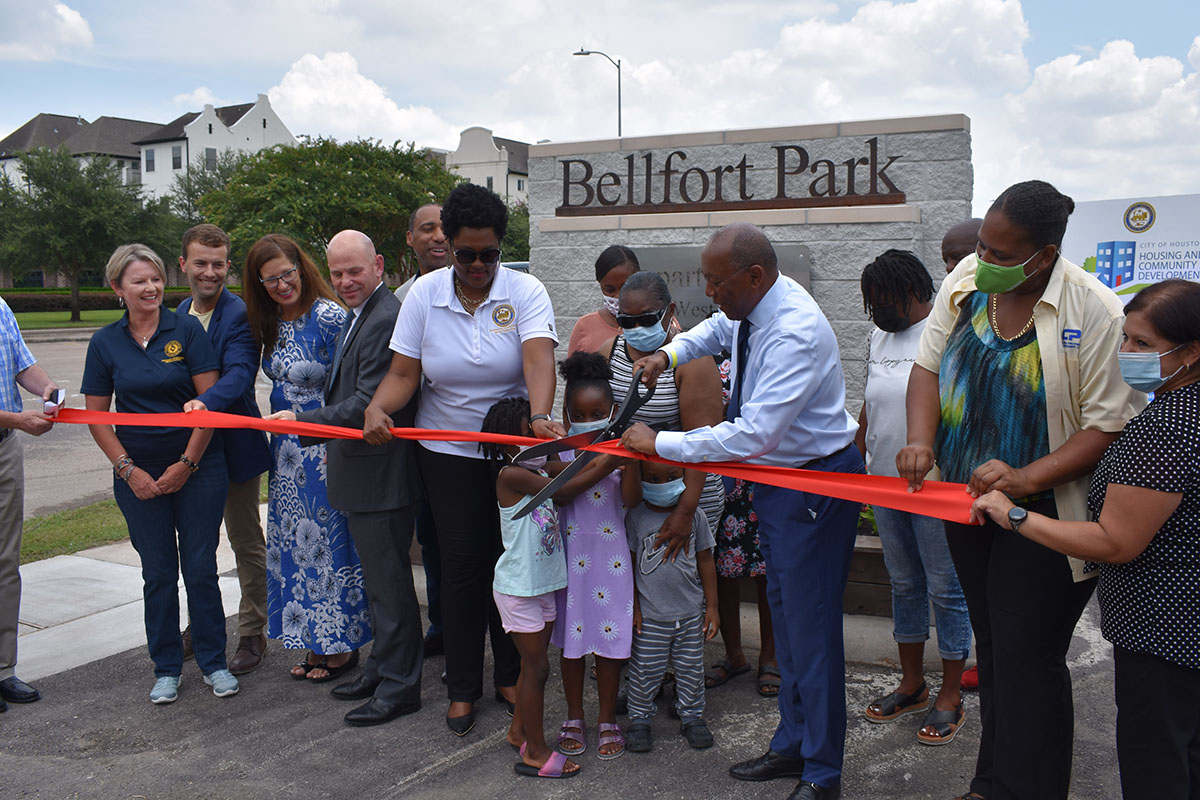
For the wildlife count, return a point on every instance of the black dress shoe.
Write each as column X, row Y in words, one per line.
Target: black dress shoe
column 3, row 706
column 461, row 726
column 509, row 707
column 377, row 711
column 433, row 646
column 810, row 791
column 360, row 688
column 15, row 690
column 768, row 766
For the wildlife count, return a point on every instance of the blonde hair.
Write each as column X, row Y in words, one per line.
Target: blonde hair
column 125, row 255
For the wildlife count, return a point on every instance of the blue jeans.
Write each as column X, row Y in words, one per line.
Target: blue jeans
column 195, row 513
column 919, row 564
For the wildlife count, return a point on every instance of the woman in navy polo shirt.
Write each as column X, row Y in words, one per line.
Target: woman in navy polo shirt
column 167, row 481
column 469, row 336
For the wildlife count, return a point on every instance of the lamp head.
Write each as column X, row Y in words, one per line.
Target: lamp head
column 582, row 52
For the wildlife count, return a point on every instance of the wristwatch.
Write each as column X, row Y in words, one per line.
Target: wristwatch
column 536, row 417
column 1016, row 516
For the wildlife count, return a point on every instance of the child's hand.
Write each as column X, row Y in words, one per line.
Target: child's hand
column 637, row 620
column 712, row 622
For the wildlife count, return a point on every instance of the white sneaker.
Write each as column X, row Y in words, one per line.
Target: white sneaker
column 166, row 690
column 222, row 682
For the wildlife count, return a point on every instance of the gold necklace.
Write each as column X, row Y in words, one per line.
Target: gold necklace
column 996, row 325
column 469, row 305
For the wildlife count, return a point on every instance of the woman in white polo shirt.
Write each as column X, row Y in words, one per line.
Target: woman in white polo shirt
column 469, row 336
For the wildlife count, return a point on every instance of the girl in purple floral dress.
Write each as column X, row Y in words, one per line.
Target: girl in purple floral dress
column 595, row 610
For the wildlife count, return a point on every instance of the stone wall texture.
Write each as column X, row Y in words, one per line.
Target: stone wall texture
column 933, row 170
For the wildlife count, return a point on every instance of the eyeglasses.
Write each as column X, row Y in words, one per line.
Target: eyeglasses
column 627, row 321
column 717, row 284
column 466, row 256
column 287, row 277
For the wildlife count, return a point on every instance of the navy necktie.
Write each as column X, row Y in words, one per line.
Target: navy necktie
column 341, row 347
column 743, row 354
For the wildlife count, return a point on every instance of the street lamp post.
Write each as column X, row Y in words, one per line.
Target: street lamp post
column 617, row 64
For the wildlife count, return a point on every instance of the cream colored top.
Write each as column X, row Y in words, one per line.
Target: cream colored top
column 1078, row 322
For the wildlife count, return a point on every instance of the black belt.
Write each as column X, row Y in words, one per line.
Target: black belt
column 809, row 465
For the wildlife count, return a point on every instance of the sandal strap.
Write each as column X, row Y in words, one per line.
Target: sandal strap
column 944, row 720
column 566, row 734
column 611, row 732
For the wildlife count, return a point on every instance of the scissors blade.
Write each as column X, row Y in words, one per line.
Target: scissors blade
column 553, row 486
column 555, row 446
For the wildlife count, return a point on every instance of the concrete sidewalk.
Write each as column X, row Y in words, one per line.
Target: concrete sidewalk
column 95, row 735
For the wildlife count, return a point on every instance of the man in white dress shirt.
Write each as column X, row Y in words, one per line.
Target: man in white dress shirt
column 786, row 408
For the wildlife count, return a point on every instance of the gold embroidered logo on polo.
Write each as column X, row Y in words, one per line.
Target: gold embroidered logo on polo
column 173, row 350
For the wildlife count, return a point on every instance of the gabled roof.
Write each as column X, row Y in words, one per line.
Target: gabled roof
column 518, row 154
column 111, row 136
column 44, row 130
column 174, row 129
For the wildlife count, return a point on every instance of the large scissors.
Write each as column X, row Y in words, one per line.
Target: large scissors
column 634, row 400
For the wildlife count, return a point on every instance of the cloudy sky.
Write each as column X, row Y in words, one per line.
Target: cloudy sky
column 1100, row 97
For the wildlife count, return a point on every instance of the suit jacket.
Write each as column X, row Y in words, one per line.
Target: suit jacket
column 360, row 476
column 246, row 451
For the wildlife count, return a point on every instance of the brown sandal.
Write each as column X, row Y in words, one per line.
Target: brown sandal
column 945, row 725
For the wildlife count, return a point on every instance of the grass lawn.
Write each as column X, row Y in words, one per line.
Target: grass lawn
column 32, row 320
column 66, row 532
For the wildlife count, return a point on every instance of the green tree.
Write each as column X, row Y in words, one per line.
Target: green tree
column 313, row 190
column 68, row 214
column 516, row 239
column 198, row 180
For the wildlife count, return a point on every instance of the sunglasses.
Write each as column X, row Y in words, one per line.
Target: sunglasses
column 640, row 320
column 286, row 276
column 466, row 256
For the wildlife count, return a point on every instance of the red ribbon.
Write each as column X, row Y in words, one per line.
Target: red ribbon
column 948, row 501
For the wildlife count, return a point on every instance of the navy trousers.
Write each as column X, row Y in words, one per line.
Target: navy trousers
column 807, row 541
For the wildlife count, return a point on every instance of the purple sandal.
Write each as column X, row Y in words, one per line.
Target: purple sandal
column 610, row 733
column 553, row 768
column 565, row 734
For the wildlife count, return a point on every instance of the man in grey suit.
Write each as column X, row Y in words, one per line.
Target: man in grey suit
column 377, row 487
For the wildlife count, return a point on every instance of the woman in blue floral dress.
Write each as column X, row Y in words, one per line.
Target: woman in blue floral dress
column 315, row 597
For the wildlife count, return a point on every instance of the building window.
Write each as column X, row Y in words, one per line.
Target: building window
column 150, row 160
column 177, row 156
column 210, row 159
column 520, row 185
column 264, row 123
column 489, row 182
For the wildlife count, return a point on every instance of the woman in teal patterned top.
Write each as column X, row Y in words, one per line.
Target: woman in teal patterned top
column 1017, row 389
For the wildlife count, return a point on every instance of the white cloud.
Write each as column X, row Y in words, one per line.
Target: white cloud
column 328, row 95
column 198, row 98
column 43, row 31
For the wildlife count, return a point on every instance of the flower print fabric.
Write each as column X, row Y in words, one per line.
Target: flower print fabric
column 595, row 611
column 315, row 597
column 737, row 553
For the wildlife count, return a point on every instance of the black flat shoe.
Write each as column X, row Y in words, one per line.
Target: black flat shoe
column 377, row 712
column 461, row 726
column 509, row 707
column 768, row 766
column 333, row 673
column 360, row 688
column 15, row 690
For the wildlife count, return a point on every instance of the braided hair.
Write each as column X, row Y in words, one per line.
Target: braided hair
column 504, row 417
column 584, row 370
column 1037, row 208
column 895, row 276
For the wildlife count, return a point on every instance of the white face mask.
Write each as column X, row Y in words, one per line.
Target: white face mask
column 611, row 304
column 589, row 427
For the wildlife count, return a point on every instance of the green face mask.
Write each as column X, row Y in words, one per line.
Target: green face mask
column 995, row 279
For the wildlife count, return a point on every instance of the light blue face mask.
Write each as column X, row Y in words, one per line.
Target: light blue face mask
column 1143, row 371
column 589, row 427
column 646, row 339
column 663, row 495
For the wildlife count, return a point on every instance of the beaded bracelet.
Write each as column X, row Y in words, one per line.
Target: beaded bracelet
column 123, row 461
column 192, row 465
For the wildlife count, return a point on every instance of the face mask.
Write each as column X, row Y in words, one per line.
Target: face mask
column 588, row 427
column 995, row 279
column 531, row 463
column 1143, row 371
column 612, row 304
column 663, row 495
column 889, row 318
column 647, row 339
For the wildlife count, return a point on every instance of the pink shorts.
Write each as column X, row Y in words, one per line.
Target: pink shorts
column 525, row 614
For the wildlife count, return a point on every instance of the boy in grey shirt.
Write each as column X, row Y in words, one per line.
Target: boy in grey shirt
column 674, row 608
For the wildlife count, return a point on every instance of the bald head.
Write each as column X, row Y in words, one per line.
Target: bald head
column 355, row 270
column 739, row 266
column 960, row 241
